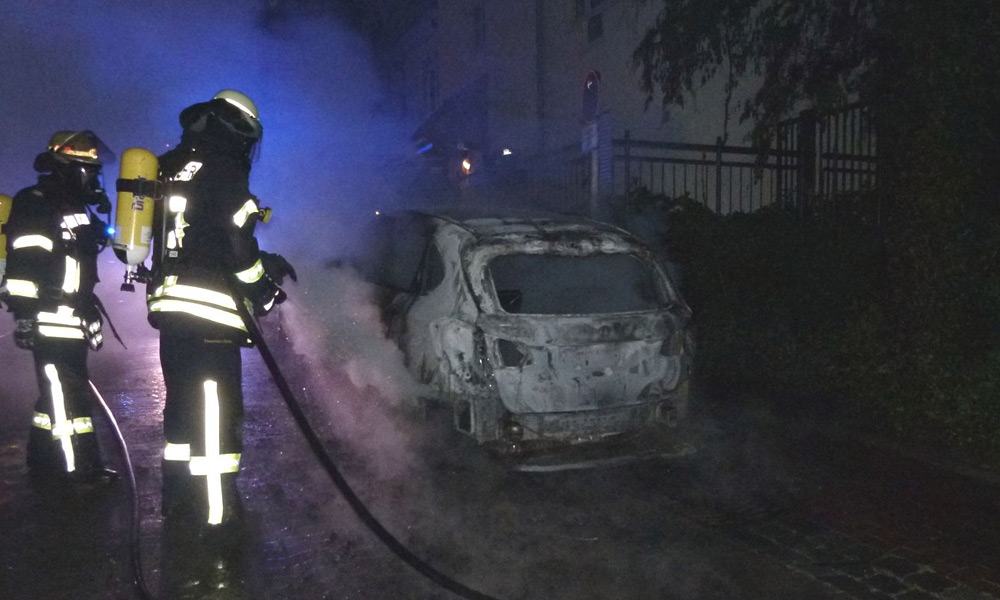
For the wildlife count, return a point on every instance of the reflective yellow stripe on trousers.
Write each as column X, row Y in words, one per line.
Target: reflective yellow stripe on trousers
column 80, row 424
column 178, row 452
column 213, row 465
column 213, row 476
column 63, row 429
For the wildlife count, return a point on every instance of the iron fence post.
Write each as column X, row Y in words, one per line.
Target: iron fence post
column 807, row 159
column 718, row 175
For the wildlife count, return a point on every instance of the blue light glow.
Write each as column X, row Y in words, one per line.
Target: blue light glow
column 134, row 66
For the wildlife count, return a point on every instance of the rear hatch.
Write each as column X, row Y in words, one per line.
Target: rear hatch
column 585, row 341
column 548, row 364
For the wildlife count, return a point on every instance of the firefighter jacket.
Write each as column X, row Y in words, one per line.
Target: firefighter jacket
column 204, row 244
column 52, row 241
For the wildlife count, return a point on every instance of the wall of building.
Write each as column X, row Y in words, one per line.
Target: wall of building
column 511, row 62
column 570, row 54
column 530, row 59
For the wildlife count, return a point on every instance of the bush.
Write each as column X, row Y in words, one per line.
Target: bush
column 894, row 327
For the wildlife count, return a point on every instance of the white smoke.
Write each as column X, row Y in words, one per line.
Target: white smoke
column 126, row 70
column 356, row 337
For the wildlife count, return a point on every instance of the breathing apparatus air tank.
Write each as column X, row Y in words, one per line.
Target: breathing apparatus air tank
column 137, row 192
column 5, row 204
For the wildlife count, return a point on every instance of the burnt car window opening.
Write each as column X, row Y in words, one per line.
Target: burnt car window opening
column 547, row 284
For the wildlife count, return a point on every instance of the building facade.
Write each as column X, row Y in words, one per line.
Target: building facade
column 533, row 87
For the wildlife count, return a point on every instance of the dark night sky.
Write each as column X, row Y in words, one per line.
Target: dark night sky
column 126, row 70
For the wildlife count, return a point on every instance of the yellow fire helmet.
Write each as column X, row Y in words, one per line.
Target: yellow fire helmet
column 80, row 146
column 240, row 101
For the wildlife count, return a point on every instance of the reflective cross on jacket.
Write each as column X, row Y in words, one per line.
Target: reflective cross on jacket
column 203, row 240
column 52, row 242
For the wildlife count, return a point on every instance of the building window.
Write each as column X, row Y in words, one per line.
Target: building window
column 595, row 27
column 478, row 26
column 581, row 8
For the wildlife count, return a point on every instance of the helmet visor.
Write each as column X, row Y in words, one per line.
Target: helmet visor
column 81, row 146
column 238, row 120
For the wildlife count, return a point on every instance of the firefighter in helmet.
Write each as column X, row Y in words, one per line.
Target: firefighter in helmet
column 54, row 234
column 205, row 260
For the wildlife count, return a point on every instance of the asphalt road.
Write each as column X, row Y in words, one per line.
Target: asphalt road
column 761, row 510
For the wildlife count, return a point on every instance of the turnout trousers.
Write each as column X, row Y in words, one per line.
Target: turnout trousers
column 202, row 424
column 62, row 439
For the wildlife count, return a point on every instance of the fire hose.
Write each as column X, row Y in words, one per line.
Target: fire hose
column 319, row 451
column 135, row 548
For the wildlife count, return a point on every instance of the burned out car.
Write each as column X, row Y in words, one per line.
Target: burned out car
column 537, row 331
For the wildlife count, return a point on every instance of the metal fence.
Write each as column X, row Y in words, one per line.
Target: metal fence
column 846, row 152
column 813, row 158
column 726, row 179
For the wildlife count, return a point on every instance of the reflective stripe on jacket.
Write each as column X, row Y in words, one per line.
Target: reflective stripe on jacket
column 204, row 244
column 53, row 244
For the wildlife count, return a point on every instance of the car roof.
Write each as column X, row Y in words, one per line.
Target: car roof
column 489, row 223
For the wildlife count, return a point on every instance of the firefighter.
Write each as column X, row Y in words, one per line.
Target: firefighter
column 54, row 235
column 205, row 260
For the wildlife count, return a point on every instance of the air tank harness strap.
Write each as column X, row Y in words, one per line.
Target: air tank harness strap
column 149, row 188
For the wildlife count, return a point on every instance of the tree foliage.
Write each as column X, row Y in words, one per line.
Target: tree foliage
column 926, row 339
column 819, row 53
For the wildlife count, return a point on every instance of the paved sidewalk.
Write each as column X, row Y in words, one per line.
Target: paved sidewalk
column 877, row 523
column 764, row 510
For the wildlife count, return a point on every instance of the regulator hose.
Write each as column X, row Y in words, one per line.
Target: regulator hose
column 319, row 450
column 135, row 551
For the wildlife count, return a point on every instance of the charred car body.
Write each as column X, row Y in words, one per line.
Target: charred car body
column 537, row 331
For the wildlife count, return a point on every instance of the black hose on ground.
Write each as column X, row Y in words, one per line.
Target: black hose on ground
column 356, row 504
column 316, row 445
column 135, row 551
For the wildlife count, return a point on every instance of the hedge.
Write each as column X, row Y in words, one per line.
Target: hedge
column 892, row 326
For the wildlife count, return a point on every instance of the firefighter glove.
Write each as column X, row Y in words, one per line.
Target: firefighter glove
column 24, row 333
column 272, row 298
column 277, row 267
column 96, row 342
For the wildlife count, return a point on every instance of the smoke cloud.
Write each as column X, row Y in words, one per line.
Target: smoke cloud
column 126, row 70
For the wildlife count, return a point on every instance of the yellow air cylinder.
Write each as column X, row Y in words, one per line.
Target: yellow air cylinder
column 5, row 203
column 134, row 216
